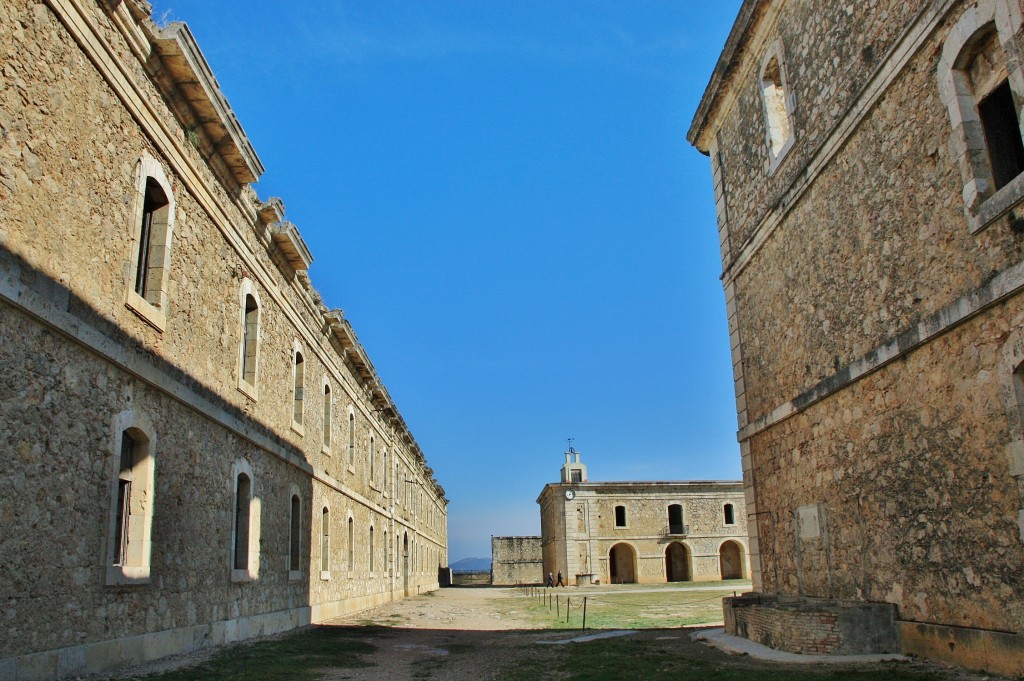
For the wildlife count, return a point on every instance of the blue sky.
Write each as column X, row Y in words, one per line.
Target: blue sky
column 501, row 197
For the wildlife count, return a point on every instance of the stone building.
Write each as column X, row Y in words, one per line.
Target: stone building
column 195, row 449
column 626, row 532
column 866, row 161
column 516, row 560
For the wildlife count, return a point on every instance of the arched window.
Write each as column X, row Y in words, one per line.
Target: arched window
column 351, row 546
column 373, row 459
column 351, row 438
column 243, row 497
column 778, row 105
column 387, row 553
column 371, row 550
column 131, row 515
column 327, row 416
column 152, row 228
column 976, row 83
column 675, row 519
column 325, row 540
column 730, row 514
column 299, row 380
column 620, row 516
column 245, row 540
column 250, row 333
column 295, row 535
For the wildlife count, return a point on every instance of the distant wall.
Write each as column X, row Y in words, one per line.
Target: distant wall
column 516, row 560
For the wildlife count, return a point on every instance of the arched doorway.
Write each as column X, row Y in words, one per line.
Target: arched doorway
column 405, row 563
column 677, row 563
column 622, row 564
column 730, row 559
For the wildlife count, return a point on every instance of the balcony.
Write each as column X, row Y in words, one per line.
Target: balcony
column 677, row 530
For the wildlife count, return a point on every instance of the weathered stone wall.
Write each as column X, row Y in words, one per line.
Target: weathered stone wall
column 875, row 319
column 517, row 560
column 72, row 131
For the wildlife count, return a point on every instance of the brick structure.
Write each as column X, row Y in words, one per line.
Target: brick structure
column 195, row 449
column 625, row 532
column 866, row 161
column 516, row 560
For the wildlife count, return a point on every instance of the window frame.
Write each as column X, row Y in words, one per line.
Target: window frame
column 775, row 158
column 137, row 570
column 152, row 312
column 615, row 516
column 294, row 534
column 245, row 290
column 983, row 204
column 325, row 541
column 298, row 402
column 252, row 559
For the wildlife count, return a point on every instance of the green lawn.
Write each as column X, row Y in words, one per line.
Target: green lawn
column 625, row 610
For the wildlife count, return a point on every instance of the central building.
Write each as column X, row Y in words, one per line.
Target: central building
column 645, row 532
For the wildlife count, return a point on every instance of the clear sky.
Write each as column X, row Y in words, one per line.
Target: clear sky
column 501, row 197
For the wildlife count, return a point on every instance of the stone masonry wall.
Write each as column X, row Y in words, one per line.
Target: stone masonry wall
column 69, row 148
column 517, row 560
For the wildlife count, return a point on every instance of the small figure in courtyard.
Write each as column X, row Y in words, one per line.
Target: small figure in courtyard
column 560, row 582
column 551, row 580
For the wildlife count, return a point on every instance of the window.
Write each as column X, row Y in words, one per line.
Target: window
column 384, row 467
column 251, row 326
column 325, row 543
column 351, row 546
column 351, row 438
column 373, row 460
column 295, row 536
column 620, row 516
column 152, row 219
column 576, row 475
column 245, row 539
column 976, row 78
column 387, row 553
column 131, row 501
column 299, row 380
column 778, row 105
column 729, row 513
column 675, row 519
column 371, row 549
column 243, row 492
column 327, row 417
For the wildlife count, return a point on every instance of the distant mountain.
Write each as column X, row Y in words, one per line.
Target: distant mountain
column 472, row 565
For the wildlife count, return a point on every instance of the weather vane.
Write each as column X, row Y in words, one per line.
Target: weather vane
column 569, row 440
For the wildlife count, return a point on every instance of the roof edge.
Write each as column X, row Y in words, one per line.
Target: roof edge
column 750, row 10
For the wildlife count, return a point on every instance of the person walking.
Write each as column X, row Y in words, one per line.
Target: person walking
column 560, row 582
column 551, row 581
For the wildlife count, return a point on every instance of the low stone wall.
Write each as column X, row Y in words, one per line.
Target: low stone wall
column 813, row 626
column 471, row 578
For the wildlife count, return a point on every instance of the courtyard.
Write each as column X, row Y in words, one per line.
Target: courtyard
column 509, row 634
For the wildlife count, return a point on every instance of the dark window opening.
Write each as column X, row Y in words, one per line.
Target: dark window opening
column 576, row 476
column 295, row 539
column 154, row 200
column 730, row 518
column 1002, row 134
column 620, row 516
column 242, row 493
column 675, row 519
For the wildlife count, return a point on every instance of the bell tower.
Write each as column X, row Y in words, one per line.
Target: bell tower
column 573, row 471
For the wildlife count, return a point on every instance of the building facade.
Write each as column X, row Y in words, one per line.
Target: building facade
column 196, row 450
column 866, row 162
column 638, row 532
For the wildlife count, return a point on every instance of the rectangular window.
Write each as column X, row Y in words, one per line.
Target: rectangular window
column 620, row 516
column 1002, row 134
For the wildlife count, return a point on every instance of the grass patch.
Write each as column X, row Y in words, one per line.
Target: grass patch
column 627, row 610
column 614, row 659
column 302, row 656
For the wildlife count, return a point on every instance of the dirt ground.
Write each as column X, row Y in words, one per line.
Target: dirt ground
column 477, row 634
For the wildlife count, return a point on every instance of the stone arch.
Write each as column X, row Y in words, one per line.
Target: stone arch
column 677, row 563
column 730, row 560
column 622, row 564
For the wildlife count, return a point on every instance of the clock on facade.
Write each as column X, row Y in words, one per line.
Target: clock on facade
column 570, row 495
